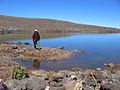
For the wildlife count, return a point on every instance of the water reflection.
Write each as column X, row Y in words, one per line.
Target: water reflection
column 36, row 63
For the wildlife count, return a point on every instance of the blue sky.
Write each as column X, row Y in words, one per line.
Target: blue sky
column 96, row 12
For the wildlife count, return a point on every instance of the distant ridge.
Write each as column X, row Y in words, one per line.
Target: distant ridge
column 10, row 24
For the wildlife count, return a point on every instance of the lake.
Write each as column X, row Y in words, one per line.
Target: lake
column 98, row 50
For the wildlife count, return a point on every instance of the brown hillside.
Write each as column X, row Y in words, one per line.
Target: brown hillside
column 10, row 24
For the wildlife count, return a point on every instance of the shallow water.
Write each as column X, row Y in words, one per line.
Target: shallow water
column 98, row 48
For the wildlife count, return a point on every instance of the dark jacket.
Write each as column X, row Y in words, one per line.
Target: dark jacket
column 36, row 36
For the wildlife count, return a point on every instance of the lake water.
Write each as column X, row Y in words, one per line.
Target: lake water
column 98, row 48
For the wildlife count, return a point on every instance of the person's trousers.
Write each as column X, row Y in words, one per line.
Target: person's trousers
column 35, row 43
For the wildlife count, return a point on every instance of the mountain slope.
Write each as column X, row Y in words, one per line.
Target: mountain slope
column 9, row 24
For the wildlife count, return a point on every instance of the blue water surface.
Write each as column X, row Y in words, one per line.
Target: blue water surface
column 98, row 49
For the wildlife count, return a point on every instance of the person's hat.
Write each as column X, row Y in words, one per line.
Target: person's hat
column 36, row 30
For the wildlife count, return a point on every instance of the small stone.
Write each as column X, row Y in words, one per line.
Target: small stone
column 15, row 47
column 47, row 88
column 88, row 88
column 107, row 86
column 73, row 77
column 111, row 65
column 39, row 73
column 98, row 69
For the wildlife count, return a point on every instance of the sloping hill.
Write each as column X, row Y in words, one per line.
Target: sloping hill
column 9, row 24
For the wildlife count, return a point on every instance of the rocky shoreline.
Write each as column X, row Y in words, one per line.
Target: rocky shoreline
column 107, row 78
column 27, row 52
column 74, row 79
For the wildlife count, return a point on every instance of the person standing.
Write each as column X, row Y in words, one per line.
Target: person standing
column 35, row 37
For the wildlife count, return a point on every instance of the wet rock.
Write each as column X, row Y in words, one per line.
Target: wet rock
column 26, row 43
column 62, row 47
column 19, row 43
column 77, row 51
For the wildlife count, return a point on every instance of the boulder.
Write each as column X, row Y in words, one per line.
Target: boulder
column 39, row 73
column 32, row 83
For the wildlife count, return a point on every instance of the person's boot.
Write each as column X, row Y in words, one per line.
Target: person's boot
column 35, row 46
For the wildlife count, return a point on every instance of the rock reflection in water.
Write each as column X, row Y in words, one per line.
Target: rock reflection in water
column 36, row 63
